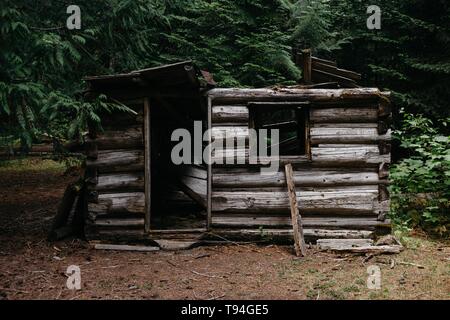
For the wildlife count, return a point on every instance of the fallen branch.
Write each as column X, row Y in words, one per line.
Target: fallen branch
column 411, row 264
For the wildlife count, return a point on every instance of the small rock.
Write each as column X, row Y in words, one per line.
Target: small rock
column 387, row 240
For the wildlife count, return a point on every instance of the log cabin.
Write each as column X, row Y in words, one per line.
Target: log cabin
column 336, row 140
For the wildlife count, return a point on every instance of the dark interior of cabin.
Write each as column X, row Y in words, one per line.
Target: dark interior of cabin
column 178, row 192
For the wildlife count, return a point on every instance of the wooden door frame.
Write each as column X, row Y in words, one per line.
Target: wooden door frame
column 147, row 164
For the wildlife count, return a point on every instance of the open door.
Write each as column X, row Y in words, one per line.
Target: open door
column 175, row 194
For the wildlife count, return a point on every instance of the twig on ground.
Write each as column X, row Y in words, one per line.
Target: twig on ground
column 411, row 264
column 205, row 275
column 217, row 297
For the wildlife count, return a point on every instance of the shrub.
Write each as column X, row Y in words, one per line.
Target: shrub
column 421, row 183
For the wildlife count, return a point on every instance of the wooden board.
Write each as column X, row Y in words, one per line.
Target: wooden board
column 297, row 228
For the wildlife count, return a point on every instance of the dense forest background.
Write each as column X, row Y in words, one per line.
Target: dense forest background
column 243, row 43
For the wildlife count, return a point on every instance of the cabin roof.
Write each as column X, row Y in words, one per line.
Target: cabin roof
column 181, row 74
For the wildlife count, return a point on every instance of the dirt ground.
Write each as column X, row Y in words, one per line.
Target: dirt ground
column 32, row 268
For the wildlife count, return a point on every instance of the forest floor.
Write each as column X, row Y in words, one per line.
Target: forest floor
column 32, row 268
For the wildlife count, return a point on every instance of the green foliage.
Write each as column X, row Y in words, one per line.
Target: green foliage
column 420, row 190
column 243, row 43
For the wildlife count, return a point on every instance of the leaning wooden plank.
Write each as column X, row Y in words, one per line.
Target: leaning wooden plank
column 342, row 244
column 297, row 228
column 318, row 75
column 122, row 247
column 229, row 114
column 65, row 207
column 333, row 70
column 194, row 171
column 194, row 188
column 328, row 62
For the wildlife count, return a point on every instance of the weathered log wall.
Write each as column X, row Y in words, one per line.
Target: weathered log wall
column 115, row 172
column 341, row 184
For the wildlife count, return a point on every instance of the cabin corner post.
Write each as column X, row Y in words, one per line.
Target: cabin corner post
column 209, row 177
column 306, row 64
column 147, row 164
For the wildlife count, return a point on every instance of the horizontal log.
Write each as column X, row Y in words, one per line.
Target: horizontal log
column 221, row 133
column 343, row 200
column 336, row 135
column 252, row 221
column 128, row 138
column 230, row 114
column 118, row 160
column 289, row 94
column 368, row 249
column 344, row 114
column 122, row 247
column 341, row 244
column 309, row 234
column 360, row 154
column 120, row 181
column 125, row 223
column 310, row 177
column 117, row 204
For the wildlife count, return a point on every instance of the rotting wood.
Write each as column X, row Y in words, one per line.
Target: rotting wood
column 393, row 249
column 65, row 207
column 297, row 227
column 342, row 244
